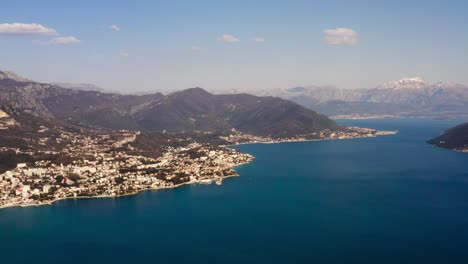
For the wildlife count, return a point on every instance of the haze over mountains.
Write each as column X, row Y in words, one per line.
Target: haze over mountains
column 264, row 113
column 12, row 76
column 79, row 86
column 191, row 109
column 406, row 98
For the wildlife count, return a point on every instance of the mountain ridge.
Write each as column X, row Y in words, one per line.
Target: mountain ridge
column 190, row 109
column 406, row 97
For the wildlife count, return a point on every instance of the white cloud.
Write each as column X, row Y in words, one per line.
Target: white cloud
column 114, row 27
column 63, row 41
column 228, row 38
column 259, row 40
column 341, row 36
column 58, row 41
column 25, row 29
column 123, row 53
column 196, row 48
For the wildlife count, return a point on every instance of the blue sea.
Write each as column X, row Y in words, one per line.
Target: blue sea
column 390, row 199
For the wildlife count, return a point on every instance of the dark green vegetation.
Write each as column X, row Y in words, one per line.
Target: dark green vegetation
column 189, row 110
column 152, row 143
column 24, row 138
column 454, row 138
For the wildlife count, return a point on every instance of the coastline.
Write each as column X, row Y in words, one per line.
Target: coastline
column 365, row 117
column 117, row 196
column 383, row 133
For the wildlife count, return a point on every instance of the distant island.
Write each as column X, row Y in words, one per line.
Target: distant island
column 58, row 143
column 455, row 138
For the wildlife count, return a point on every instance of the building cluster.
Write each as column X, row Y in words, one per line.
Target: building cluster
column 107, row 165
column 6, row 121
column 345, row 133
column 74, row 163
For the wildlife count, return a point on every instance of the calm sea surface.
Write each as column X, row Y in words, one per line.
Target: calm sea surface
column 391, row 199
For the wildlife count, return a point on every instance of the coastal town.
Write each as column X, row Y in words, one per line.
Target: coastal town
column 346, row 133
column 74, row 164
column 105, row 166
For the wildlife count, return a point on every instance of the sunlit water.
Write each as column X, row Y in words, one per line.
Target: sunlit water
column 390, row 199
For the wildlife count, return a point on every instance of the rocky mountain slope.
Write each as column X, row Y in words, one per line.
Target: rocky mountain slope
column 455, row 138
column 188, row 110
column 406, row 97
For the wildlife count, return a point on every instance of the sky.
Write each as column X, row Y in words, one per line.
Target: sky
column 140, row 46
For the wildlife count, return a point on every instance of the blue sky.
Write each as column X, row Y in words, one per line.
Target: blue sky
column 165, row 45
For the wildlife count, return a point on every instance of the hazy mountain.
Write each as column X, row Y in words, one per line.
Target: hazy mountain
column 12, row 76
column 454, row 138
column 191, row 109
column 405, row 83
column 406, row 97
column 79, row 86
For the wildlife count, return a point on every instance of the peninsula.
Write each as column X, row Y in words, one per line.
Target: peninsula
column 77, row 164
column 58, row 143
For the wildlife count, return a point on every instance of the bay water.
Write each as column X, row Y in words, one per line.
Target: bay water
column 389, row 199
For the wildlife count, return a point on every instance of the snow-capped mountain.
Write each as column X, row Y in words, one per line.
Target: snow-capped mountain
column 418, row 83
column 405, row 83
column 406, row 97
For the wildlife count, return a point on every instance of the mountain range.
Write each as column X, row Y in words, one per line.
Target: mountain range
column 408, row 97
column 189, row 110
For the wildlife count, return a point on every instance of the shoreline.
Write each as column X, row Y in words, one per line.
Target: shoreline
column 120, row 195
column 386, row 133
column 345, row 117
